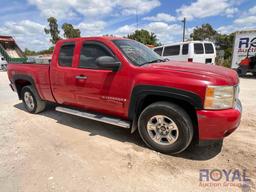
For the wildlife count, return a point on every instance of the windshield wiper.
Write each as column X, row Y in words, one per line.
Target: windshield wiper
column 154, row 61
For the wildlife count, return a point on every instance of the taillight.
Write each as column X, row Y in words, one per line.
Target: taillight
column 190, row 59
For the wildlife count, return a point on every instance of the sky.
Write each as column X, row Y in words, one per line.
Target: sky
column 25, row 20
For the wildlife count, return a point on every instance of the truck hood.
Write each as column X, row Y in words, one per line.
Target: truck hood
column 223, row 73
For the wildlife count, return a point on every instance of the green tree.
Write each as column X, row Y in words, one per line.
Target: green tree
column 28, row 52
column 225, row 42
column 53, row 30
column 207, row 32
column 204, row 32
column 46, row 51
column 222, row 41
column 144, row 37
column 70, row 31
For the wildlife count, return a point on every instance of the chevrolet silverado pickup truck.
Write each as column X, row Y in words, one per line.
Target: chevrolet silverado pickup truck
column 124, row 83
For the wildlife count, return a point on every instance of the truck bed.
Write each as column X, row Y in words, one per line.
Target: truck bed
column 38, row 72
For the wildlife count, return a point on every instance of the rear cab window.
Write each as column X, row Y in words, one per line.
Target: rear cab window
column 198, row 48
column 159, row 51
column 66, row 54
column 172, row 50
column 208, row 48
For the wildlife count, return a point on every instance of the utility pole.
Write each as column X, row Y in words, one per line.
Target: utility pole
column 184, row 28
column 137, row 18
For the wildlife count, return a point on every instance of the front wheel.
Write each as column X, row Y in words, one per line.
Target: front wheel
column 165, row 127
column 31, row 100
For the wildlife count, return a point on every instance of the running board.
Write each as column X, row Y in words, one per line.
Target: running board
column 96, row 117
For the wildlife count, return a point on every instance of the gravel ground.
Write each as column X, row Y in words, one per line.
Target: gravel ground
column 52, row 151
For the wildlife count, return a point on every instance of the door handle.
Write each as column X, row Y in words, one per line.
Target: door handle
column 81, row 77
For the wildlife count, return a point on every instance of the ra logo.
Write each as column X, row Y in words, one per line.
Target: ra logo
column 245, row 41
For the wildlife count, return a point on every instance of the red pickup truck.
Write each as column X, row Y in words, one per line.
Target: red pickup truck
column 124, row 83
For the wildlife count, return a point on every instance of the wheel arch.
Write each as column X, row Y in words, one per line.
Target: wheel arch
column 142, row 96
column 22, row 80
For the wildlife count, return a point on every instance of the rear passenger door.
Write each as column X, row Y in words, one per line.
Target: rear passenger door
column 199, row 55
column 62, row 74
column 209, row 53
column 185, row 52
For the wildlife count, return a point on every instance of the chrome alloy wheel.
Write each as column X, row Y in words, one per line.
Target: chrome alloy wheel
column 162, row 130
column 29, row 100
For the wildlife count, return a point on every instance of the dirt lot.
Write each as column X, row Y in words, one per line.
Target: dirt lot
column 58, row 152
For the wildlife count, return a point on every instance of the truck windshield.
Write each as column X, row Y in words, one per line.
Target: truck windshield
column 137, row 53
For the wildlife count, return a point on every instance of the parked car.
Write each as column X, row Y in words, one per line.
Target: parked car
column 3, row 63
column 191, row 51
column 122, row 82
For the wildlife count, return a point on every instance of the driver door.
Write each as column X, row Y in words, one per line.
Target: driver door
column 94, row 85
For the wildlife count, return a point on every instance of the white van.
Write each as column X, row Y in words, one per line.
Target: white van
column 191, row 51
column 3, row 63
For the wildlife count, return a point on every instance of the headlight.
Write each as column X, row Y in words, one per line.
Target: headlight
column 220, row 97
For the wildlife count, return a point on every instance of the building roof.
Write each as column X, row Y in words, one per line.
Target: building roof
column 6, row 38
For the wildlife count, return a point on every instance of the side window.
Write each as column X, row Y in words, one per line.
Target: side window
column 198, row 48
column 185, row 49
column 89, row 53
column 208, row 48
column 159, row 50
column 66, row 54
column 172, row 50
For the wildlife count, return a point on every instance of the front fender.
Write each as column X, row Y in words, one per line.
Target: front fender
column 142, row 91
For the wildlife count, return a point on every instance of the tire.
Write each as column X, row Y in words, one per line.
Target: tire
column 4, row 67
column 241, row 72
column 31, row 100
column 165, row 120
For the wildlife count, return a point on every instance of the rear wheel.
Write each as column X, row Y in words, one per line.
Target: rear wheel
column 31, row 100
column 165, row 127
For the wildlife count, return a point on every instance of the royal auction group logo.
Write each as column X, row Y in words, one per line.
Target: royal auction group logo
column 223, row 178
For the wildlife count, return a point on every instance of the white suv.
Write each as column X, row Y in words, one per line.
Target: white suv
column 192, row 51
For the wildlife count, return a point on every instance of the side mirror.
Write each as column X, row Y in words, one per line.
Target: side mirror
column 107, row 62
